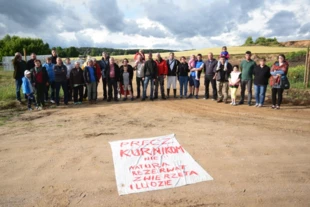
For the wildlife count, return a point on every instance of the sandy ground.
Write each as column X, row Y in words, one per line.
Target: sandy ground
column 61, row 157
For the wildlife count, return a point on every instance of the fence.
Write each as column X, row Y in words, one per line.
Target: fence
column 8, row 65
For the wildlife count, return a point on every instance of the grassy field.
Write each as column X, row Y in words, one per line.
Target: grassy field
column 231, row 50
column 7, row 85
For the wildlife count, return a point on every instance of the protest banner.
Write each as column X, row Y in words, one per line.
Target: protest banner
column 154, row 164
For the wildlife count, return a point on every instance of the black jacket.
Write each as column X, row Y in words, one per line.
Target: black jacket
column 60, row 73
column 44, row 76
column 117, row 72
column 183, row 69
column 19, row 68
column 222, row 75
column 130, row 71
column 54, row 59
column 86, row 74
column 104, row 66
column 30, row 64
column 76, row 77
column 210, row 67
column 261, row 75
column 150, row 69
column 173, row 72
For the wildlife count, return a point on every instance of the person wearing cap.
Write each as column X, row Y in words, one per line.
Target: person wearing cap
column 51, row 79
column 69, row 66
column 247, row 68
column 60, row 71
column 28, row 89
column 77, row 83
column 39, row 79
column 19, row 68
column 90, row 78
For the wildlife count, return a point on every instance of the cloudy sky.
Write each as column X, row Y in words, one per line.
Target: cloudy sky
column 169, row 24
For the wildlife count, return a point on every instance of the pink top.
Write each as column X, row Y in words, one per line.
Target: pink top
column 112, row 71
column 192, row 63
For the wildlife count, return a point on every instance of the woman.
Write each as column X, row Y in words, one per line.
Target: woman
column 39, row 79
column 183, row 70
column 261, row 75
column 77, row 83
column 139, row 68
column 278, row 73
column 126, row 77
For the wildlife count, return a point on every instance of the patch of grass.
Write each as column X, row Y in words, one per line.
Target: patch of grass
column 7, row 89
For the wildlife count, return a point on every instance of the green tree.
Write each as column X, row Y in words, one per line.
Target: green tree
column 249, row 41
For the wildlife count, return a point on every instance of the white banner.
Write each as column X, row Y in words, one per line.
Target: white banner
column 154, row 164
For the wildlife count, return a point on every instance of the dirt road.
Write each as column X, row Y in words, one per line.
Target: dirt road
column 61, row 157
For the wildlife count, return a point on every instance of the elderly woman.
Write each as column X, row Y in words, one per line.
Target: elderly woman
column 77, row 83
column 278, row 74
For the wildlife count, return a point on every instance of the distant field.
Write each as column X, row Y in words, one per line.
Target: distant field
column 231, row 50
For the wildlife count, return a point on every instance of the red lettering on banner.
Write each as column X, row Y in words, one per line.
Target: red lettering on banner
column 152, row 184
column 154, row 142
column 152, row 151
column 151, row 158
column 137, row 179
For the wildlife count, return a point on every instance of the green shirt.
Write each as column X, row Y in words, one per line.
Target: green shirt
column 247, row 68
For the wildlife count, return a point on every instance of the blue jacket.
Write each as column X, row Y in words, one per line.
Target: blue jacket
column 26, row 86
column 50, row 71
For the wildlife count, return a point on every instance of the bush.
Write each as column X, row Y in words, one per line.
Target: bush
column 296, row 56
column 296, row 74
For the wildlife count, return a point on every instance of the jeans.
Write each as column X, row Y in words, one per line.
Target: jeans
column 260, row 92
column 78, row 93
column 160, row 82
column 40, row 88
column 246, row 84
column 112, row 85
column 92, row 91
column 47, row 88
column 104, row 87
column 18, row 84
column 209, row 79
column 183, row 85
column 63, row 85
column 275, row 92
column 139, row 84
column 148, row 79
column 220, row 86
column 30, row 99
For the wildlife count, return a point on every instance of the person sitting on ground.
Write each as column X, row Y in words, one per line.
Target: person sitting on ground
column 225, row 54
column 39, row 79
column 234, row 81
column 28, row 90
column 77, row 83
column 126, row 79
column 51, row 76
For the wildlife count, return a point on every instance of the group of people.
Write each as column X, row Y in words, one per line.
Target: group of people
column 42, row 82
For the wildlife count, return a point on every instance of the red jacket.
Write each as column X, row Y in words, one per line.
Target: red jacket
column 162, row 67
column 98, row 71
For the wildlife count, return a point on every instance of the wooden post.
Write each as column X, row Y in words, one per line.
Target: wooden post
column 307, row 68
column 25, row 54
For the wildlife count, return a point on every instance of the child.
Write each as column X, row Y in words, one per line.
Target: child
column 28, row 89
column 192, row 64
column 126, row 80
column 225, row 54
column 234, row 80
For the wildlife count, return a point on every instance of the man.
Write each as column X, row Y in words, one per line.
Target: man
column 30, row 63
column 210, row 69
column 19, row 68
column 194, row 83
column 104, row 66
column 150, row 75
column 247, row 68
column 162, row 73
column 54, row 56
column 113, row 77
column 90, row 77
column 172, row 65
column 221, row 76
column 60, row 71
column 77, row 83
column 51, row 76
column 98, row 74
column 69, row 66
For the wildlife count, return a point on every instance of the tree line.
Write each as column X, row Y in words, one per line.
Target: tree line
column 262, row 41
column 11, row 44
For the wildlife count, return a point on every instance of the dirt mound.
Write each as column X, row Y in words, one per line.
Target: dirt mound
column 299, row 43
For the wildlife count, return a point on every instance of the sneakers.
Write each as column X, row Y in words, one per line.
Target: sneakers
column 52, row 101
column 132, row 99
column 277, row 107
column 124, row 99
column 196, row 97
column 219, row 101
column 260, row 105
column 190, row 96
column 273, row 106
column 29, row 109
column 256, row 105
column 76, row 103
